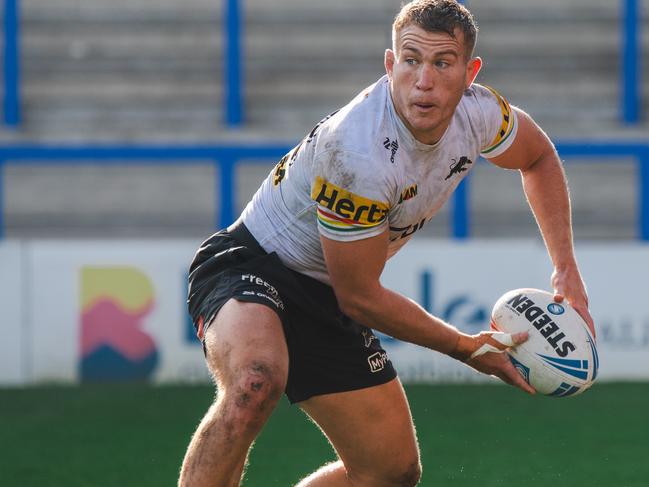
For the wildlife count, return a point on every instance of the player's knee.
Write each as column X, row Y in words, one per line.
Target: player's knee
column 404, row 473
column 259, row 385
column 408, row 475
column 253, row 394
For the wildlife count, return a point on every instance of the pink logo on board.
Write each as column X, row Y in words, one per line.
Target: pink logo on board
column 114, row 302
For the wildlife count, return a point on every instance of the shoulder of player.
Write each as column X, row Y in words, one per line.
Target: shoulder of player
column 357, row 126
column 498, row 117
column 361, row 174
column 368, row 152
column 478, row 91
column 339, row 159
column 477, row 97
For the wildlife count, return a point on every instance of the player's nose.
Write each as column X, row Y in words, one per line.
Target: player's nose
column 425, row 78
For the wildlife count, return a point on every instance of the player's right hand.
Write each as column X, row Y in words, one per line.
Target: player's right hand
column 485, row 353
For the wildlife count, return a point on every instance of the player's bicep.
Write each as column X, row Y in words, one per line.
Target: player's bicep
column 355, row 267
column 528, row 146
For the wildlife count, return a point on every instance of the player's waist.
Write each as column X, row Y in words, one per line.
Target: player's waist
column 240, row 232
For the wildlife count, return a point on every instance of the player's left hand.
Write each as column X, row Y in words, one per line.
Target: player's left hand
column 567, row 284
column 485, row 352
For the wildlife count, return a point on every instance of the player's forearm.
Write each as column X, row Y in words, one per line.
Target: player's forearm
column 547, row 193
column 401, row 318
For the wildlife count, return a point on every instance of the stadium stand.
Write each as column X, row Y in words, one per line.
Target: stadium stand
column 151, row 72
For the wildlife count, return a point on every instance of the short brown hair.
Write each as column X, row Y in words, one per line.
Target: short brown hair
column 437, row 16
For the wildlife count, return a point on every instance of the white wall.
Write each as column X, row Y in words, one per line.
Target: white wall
column 96, row 310
column 13, row 322
column 469, row 277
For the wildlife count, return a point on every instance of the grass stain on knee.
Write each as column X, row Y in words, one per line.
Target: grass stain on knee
column 243, row 399
column 261, row 369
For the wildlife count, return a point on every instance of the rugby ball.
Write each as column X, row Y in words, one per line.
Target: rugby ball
column 560, row 357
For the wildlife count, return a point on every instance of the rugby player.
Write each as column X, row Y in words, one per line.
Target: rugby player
column 286, row 298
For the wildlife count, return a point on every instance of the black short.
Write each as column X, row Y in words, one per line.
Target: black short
column 328, row 351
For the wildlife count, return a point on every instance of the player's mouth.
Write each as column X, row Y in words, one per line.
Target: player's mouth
column 423, row 107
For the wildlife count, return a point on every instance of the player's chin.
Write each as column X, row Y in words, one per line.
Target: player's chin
column 424, row 125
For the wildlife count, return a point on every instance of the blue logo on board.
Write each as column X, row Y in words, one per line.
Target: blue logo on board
column 556, row 309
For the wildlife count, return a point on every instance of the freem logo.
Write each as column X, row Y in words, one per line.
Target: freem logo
column 342, row 210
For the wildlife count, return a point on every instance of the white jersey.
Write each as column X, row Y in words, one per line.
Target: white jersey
column 360, row 171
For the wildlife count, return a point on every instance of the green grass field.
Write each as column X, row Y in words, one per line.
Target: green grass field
column 470, row 436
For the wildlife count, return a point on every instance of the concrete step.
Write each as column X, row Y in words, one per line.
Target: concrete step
column 129, row 200
column 120, row 126
column 134, row 89
column 131, row 67
column 97, row 44
column 124, row 10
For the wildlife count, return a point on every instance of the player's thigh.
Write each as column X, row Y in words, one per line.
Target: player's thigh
column 371, row 430
column 244, row 341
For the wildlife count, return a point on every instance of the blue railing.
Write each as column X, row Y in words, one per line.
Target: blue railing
column 233, row 63
column 630, row 55
column 582, row 151
column 224, row 157
column 631, row 58
column 11, row 67
column 227, row 157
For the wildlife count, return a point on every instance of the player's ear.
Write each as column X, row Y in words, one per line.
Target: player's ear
column 388, row 61
column 472, row 70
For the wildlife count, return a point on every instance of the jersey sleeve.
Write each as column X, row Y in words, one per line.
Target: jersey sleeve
column 352, row 198
column 501, row 122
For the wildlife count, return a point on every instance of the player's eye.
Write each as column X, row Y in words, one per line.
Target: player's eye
column 442, row 64
column 411, row 61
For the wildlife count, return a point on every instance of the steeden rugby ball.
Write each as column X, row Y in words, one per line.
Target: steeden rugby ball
column 560, row 357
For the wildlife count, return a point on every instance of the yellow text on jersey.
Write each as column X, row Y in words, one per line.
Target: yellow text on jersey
column 341, row 210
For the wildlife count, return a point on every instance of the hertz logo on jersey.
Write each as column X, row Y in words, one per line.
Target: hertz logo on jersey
column 343, row 211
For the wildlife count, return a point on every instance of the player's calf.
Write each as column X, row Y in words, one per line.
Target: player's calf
column 218, row 450
column 246, row 353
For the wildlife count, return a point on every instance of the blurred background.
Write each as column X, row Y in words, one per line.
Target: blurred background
column 120, row 74
column 132, row 130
